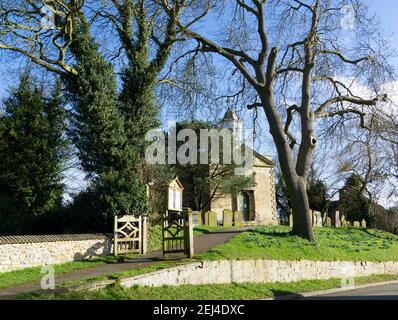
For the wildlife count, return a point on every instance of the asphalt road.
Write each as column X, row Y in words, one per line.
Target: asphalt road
column 385, row 292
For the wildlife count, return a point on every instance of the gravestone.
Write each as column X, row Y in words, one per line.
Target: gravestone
column 343, row 222
column 238, row 218
column 196, row 218
column 363, row 224
column 211, row 219
column 328, row 222
column 337, row 222
column 357, row 224
column 291, row 220
column 227, row 218
column 317, row 219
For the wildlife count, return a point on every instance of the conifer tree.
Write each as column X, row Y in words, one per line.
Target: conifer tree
column 99, row 128
column 32, row 154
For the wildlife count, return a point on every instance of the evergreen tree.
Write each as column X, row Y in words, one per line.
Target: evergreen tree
column 99, row 129
column 353, row 204
column 32, row 154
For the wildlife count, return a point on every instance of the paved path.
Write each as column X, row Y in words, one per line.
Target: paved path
column 202, row 243
column 383, row 292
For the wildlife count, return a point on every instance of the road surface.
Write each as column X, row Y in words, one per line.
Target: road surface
column 384, row 292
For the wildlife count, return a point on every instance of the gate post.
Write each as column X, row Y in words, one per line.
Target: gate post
column 115, row 236
column 144, row 237
column 188, row 235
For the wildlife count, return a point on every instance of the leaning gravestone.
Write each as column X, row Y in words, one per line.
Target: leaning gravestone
column 227, row 218
column 211, row 218
column 357, row 224
column 363, row 224
column 238, row 218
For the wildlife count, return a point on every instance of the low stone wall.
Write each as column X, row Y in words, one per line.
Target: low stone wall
column 258, row 271
column 19, row 252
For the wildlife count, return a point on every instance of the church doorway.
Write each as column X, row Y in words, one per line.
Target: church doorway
column 244, row 205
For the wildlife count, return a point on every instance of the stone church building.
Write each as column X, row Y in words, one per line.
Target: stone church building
column 257, row 204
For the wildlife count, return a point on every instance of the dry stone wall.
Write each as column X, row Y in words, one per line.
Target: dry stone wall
column 259, row 271
column 21, row 252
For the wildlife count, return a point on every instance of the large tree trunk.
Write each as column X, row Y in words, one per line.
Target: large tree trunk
column 295, row 184
column 302, row 222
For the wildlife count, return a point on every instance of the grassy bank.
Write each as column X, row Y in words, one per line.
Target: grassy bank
column 348, row 244
column 247, row 291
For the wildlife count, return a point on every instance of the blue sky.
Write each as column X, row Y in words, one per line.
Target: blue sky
column 386, row 11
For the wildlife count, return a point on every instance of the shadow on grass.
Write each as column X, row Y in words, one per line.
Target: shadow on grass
column 271, row 233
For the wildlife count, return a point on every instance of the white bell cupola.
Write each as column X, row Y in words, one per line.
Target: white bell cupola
column 232, row 122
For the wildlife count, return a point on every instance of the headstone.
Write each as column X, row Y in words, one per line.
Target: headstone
column 238, row 218
column 357, row 224
column 211, row 219
column 227, row 218
column 363, row 224
column 328, row 222
column 337, row 222
column 196, row 218
column 291, row 220
column 318, row 219
column 343, row 222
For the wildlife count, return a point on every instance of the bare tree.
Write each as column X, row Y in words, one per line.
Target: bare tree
column 291, row 54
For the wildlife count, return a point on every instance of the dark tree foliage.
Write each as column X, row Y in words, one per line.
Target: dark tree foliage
column 353, row 204
column 32, row 154
column 99, row 129
column 317, row 192
column 283, row 206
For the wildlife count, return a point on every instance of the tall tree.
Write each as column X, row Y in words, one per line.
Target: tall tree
column 353, row 204
column 32, row 152
column 99, row 126
column 147, row 30
column 293, row 58
column 65, row 46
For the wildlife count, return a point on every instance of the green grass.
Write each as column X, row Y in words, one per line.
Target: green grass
column 246, row 291
column 331, row 244
column 31, row 275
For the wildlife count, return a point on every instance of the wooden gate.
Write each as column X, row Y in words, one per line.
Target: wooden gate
column 177, row 232
column 130, row 234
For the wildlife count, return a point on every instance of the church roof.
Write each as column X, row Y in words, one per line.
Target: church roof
column 262, row 158
column 266, row 159
column 230, row 115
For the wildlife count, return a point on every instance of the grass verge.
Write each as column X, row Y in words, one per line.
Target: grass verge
column 245, row 291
